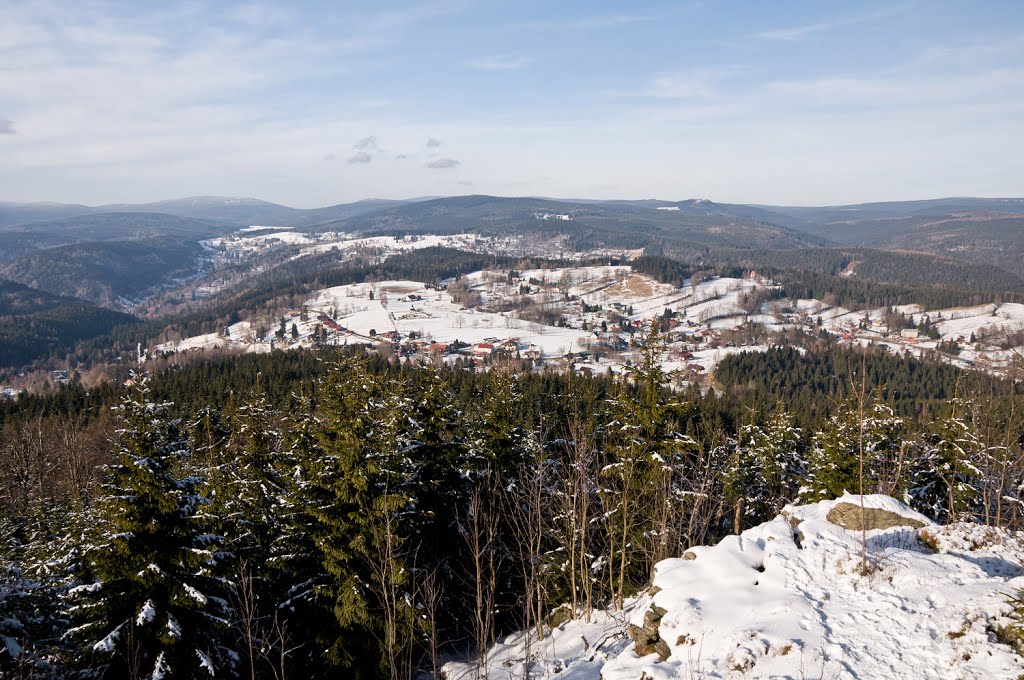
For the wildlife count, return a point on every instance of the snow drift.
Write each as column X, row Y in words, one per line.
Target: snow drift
column 791, row 599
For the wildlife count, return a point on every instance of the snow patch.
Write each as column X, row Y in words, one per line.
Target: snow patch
column 788, row 598
column 146, row 614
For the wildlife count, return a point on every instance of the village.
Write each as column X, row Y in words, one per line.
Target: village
column 592, row 319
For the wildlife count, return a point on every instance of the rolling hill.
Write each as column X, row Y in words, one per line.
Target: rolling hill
column 585, row 224
column 103, row 272
column 213, row 210
column 35, row 324
column 19, row 240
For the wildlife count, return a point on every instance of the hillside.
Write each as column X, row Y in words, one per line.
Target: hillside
column 862, row 212
column 983, row 237
column 219, row 210
column 789, row 598
column 34, row 324
column 25, row 213
column 902, row 268
column 583, row 224
column 104, row 272
column 18, row 240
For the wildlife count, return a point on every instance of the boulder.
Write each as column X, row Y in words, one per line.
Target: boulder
column 848, row 516
column 646, row 639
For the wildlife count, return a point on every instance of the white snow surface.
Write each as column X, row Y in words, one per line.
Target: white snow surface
column 108, row 643
column 787, row 599
column 146, row 614
column 195, row 594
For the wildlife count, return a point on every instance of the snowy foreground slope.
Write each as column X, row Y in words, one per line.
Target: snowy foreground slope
column 787, row 599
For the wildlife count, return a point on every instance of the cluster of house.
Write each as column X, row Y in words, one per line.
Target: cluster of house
column 479, row 352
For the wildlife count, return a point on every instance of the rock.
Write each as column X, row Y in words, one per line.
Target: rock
column 646, row 639
column 848, row 516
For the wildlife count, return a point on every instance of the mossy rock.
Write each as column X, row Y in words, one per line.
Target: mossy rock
column 558, row 616
column 848, row 516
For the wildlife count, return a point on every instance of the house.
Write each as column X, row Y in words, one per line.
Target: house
column 483, row 349
column 909, row 334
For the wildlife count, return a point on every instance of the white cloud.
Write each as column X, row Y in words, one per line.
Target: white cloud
column 149, row 106
column 499, row 62
column 367, row 144
column 595, row 22
column 794, row 33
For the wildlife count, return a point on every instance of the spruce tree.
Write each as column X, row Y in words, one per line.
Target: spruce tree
column 645, row 451
column 944, row 476
column 305, row 619
column 832, row 465
column 156, row 606
column 246, row 491
column 358, row 502
column 36, row 561
column 764, row 471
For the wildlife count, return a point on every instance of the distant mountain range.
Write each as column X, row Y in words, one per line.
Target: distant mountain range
column 232, row 212
column 101, row 253
column 249, row 211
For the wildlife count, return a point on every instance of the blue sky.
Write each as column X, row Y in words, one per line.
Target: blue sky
column 314, row 103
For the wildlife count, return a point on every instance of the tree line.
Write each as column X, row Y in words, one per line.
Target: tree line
column 309, row 514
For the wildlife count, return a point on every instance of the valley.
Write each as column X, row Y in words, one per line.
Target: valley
column 589, row 318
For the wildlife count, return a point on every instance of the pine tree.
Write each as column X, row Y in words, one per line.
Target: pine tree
column 945, row 477
column 644, row 451
column 36, row 555
column 156, row 606
column 833, row 459
column 764, row 471
column 246, row 490
column 358, row 502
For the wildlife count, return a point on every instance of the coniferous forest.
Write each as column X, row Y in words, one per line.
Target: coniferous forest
column 316, row 514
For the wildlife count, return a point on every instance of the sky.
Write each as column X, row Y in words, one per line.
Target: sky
column 312, row 103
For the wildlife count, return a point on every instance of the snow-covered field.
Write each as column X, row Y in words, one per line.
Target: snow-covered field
column 435, row 317
column 403, row 306
column 586, row 300
column 787, row 599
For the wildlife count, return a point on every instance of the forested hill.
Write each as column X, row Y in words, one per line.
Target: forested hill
column 218, row 210
column 103, row 272
column 816, row 280
column 24, row 238
column 585, row 224
column 871, row 265
column 35, row 325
